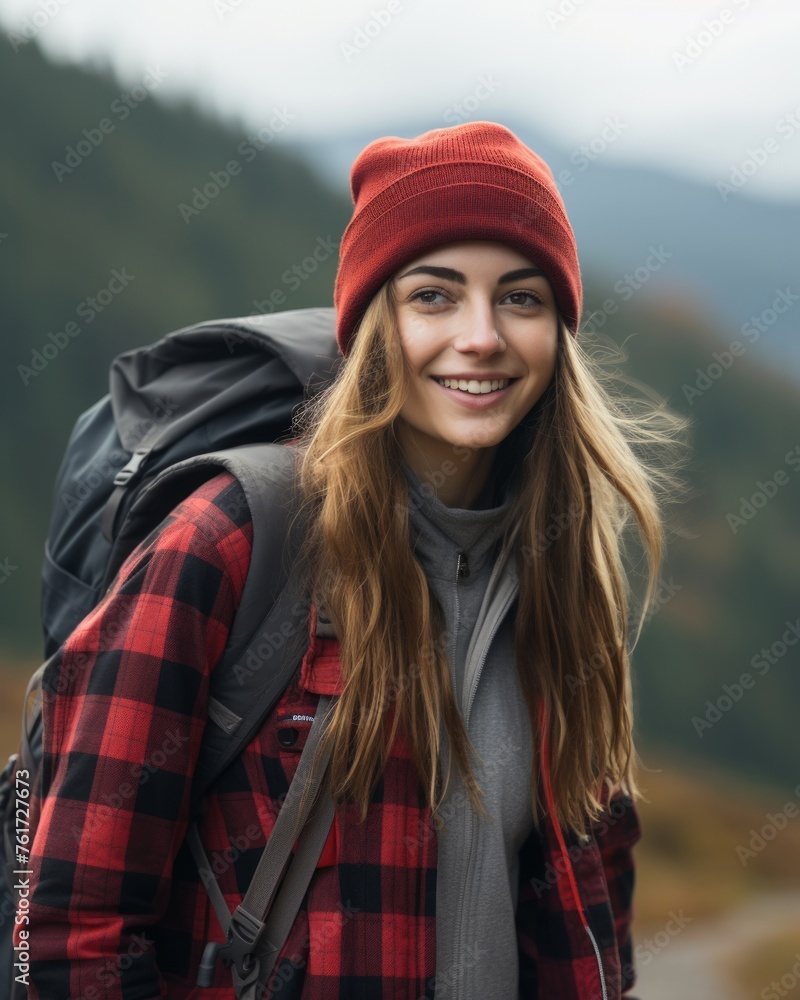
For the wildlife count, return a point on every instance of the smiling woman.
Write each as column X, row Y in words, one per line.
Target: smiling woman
column 481, row 352
column 467, row 480
column 458, row 302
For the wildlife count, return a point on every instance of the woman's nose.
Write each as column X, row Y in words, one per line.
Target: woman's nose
column 478, row 330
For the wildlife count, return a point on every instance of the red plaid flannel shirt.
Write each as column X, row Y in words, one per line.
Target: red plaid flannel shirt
column 118, row 909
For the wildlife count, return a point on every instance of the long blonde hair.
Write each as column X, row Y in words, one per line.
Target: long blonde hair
column 584, row 463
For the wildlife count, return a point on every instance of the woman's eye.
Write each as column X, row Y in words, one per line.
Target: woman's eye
column 534, row 299
column 417, row 296
column 537, row 299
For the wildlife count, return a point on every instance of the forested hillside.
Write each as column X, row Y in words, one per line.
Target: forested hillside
column 122, row 218
column 65, row 234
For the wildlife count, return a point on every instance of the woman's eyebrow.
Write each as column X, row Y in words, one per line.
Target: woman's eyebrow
column 450, row 274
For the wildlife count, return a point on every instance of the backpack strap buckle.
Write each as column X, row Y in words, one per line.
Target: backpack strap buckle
column 244, row 940
column 128, row 471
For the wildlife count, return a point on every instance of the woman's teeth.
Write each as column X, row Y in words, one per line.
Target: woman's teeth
column 473, row 386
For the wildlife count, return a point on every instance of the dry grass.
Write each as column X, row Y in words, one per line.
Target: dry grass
column 771, row 968
column 687, row 858
column 14, row 677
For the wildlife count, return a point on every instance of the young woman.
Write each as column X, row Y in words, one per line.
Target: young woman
column 468, row 481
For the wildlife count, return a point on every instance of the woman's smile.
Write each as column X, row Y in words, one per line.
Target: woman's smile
column 480, row 349
column 478, row 394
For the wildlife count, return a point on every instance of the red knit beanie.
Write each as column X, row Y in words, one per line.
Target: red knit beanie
column 471, row 181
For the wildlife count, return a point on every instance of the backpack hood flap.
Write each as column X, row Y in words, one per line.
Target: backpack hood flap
column 160, row 391
column 215, row 385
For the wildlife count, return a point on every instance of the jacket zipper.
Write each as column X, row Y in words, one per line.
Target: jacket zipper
column 462, row 569
column 471, row 840
column 599, row 962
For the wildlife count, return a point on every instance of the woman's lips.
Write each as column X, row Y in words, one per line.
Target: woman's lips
column 477, row 401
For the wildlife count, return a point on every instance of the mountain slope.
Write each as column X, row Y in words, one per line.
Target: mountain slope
column 727, row 596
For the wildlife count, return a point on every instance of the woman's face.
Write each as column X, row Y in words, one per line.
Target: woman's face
column 451, row 304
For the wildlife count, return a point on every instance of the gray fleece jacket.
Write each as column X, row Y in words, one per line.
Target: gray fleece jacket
column 476, row 895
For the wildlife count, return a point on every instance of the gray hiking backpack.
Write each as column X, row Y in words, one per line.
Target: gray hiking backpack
column 212, row 396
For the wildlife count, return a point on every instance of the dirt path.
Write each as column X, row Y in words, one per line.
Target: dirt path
column 694, row 964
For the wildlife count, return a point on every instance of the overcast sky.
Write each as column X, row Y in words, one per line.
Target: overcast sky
column 701, row 88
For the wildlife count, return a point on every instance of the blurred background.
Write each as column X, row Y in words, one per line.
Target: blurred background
column 673, row 130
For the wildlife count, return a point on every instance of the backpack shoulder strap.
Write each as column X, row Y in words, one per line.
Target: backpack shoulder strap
column 269, row 632
column 258, row 928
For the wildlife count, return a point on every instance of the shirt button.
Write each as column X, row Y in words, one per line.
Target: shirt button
column 288, row 737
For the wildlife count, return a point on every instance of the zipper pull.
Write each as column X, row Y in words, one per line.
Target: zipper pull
column 462, row 567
